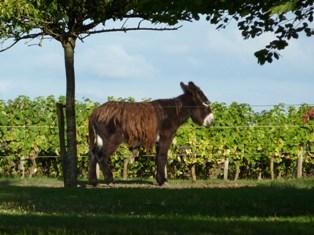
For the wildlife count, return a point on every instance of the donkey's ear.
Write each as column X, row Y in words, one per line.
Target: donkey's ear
column 185, row 88
column 192, row 85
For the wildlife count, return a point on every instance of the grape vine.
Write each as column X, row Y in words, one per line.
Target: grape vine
column 249, row 140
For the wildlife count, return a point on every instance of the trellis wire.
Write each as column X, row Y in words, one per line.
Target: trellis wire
column 29, row 126
column 223, row 155
column 212, row 127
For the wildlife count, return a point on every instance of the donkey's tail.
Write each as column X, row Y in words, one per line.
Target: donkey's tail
column 92, row 135
column 96, row 141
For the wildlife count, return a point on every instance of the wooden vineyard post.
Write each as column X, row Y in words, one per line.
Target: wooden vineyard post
column 125, row 168
column 22, row 167
column 33, row 169
column 126, row 161
column 166, row 171
column 193, row 173
column 60, row 114
column 98, row 171
column 237, row 172
column 299, row 166
column 272, row 174
column 226, row 168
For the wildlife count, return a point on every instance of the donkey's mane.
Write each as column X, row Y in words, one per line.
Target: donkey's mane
column 137, row 120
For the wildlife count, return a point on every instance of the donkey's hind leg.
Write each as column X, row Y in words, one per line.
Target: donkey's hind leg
column 92, row 176
column 110, row 145
column 104, row 167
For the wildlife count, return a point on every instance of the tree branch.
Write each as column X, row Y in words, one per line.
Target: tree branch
column 16, row 40
column 130, row 29
column 8, row 47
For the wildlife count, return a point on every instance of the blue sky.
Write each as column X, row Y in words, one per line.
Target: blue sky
column 146, row 64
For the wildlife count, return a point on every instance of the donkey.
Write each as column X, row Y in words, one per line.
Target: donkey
column 145, row 124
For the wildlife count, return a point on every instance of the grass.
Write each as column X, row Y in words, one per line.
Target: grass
column 270, row 207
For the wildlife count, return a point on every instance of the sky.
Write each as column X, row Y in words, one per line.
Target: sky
column 149, row 64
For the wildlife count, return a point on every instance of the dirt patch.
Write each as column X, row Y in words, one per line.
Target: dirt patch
column 176, row 185
column 31, row 183
column 54, row 183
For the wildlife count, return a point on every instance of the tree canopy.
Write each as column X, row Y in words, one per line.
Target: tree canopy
column 285, row 19
column 29, row 19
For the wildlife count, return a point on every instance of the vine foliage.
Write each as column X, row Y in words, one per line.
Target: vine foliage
column 248, row 139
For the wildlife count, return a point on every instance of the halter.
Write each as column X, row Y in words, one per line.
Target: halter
column 205, row 104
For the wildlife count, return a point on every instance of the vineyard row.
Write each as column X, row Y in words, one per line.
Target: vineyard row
column 254, row 144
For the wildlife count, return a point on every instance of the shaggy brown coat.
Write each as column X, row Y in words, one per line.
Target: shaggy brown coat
column 138, row 121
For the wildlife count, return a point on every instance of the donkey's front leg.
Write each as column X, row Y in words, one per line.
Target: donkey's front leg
column 161, row 161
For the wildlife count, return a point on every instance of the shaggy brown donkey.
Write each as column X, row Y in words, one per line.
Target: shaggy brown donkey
column 143, row 124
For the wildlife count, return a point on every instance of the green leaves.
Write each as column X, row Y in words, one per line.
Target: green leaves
column 248, row 139
column 286, row 20
column 284, row 7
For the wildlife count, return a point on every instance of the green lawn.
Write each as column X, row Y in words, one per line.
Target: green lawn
column 285, row 207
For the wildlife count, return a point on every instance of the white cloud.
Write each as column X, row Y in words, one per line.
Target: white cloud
column 50, row 60
column 5, row 86
column 180, row 49
column 114, row 61
column 230, row 42
column 300, row 53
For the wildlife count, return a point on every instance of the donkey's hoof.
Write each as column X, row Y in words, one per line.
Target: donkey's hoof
column 165, row 185
column 92, row 183
column 106, row 185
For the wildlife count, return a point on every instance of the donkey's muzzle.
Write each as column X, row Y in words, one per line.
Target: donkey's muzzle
column 209, row 120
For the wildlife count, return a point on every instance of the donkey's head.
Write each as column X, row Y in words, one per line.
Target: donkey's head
column 201, row 112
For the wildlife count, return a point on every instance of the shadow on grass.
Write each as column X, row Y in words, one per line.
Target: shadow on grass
column 133, row 224
column 221, row 202
column 272, row 209
column 6, row 183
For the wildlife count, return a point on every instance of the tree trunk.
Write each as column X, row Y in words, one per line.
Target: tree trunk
column 70, row 179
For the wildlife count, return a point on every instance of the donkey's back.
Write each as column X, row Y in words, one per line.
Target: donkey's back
column 136, row 122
